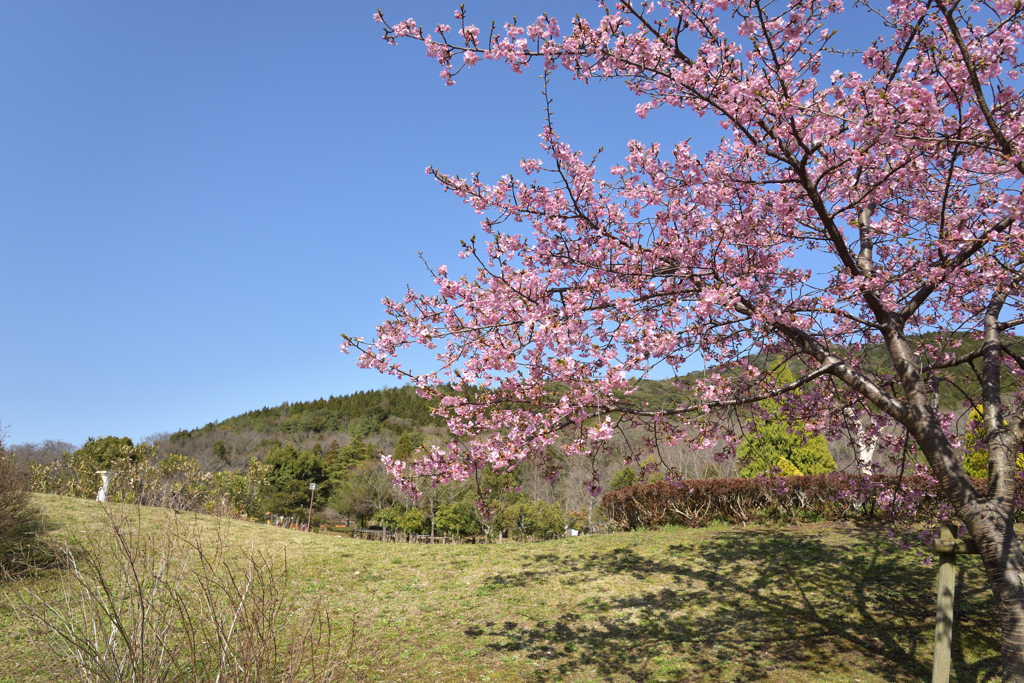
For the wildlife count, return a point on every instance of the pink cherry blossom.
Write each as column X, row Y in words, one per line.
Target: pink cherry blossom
column 846, row 211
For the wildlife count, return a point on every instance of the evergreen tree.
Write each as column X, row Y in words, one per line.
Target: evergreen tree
column 332, row 452
column 348, row 457
column 457, row 519
column 624, row 478
column 407, row 445
column 100, row 454
column 776, row 442
column 412, row 521
column 976, row 447
column 291, row 472
column 222, row 452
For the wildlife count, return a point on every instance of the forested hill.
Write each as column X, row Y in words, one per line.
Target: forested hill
column 397, row 420
column 325, row 416
column 372, row 409
column 955, row 381
column 333, row 442
column 389, row 420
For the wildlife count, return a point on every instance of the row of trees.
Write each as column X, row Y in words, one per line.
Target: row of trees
column 353, row 482
column 144, row 476
column 18, row 518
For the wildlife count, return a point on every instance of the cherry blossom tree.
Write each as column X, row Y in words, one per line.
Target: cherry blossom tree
column 857, row 201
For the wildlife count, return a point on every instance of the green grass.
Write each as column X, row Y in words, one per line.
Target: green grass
column 796, row 604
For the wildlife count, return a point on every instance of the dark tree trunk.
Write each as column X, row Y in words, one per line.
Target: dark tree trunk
column 1004, row 565
column 988, row 518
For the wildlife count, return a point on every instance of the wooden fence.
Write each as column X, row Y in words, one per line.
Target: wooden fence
column 386, row 536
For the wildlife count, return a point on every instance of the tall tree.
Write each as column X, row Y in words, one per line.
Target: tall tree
column 290, row 472
column 854, row 203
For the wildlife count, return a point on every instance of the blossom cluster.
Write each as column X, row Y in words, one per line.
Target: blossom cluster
column 898, row 177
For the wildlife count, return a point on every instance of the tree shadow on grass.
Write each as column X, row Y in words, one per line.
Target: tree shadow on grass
column 28, row 551
column 751, row 605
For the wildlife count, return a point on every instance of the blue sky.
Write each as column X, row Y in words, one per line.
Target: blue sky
column 197, row 199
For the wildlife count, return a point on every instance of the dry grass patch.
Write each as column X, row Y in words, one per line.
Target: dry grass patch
column 152, row 598
column 811, row 603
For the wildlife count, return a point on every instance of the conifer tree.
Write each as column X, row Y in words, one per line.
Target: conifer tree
column 976, row 447
column 777, row 442
column 407, row 445
column 332, row 452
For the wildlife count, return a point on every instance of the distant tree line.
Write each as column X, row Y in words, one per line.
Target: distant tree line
column 264, row 460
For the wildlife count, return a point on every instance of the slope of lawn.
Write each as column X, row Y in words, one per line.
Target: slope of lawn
column 805, row 603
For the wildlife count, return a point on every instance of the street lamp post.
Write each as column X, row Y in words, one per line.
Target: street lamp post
column 312, row 490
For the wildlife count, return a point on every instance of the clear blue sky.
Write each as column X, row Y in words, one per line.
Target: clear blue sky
column 197, row 199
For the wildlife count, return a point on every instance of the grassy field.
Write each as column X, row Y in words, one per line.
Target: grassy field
column 796, row 604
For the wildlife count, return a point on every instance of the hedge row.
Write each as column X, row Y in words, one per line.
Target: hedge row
column 831, row 497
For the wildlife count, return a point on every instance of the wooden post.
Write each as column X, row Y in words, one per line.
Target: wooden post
column 947, row 545
column 944, row 608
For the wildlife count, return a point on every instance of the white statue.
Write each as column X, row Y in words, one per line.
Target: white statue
column 105, row 475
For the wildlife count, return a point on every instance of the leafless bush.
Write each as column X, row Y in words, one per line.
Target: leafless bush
column 181, row 605
column 43, row 452
column 17, row 515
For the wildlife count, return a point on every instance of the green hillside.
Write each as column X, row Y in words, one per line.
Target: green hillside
column 338, row 414
column 324, row 416
column 808, row 604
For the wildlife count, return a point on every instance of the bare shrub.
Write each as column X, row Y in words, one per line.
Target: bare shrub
column 18, row 516
column 833, row 497
column 185, row 605
column 43, row 453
